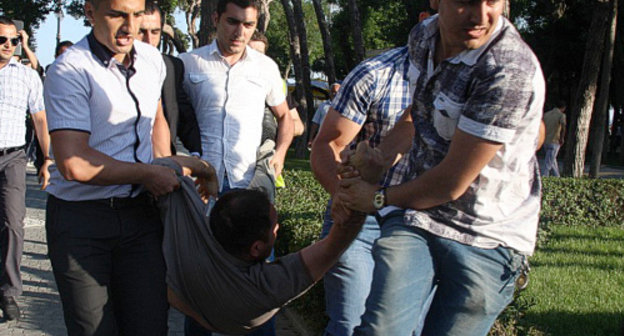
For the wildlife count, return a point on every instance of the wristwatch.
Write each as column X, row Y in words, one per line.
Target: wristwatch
column 379, row 199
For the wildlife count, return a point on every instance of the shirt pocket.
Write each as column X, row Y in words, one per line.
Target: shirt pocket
column 445, row 116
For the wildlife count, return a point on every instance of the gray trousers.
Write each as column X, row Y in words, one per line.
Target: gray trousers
column 12, row 213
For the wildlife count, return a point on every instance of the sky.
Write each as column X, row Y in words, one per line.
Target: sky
column 72, row 30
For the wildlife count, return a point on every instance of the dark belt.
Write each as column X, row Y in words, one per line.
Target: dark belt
column 125, row 202
column 9, row 150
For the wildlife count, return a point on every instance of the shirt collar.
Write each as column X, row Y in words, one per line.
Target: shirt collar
column 104, row 54
column 468, row 57
column 213, row 49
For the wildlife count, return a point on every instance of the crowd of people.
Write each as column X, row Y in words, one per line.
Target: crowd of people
column 427, row 151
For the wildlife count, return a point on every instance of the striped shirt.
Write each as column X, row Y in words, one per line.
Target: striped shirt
column 496, row 93
column 20, row 92
column 374, row 95
column 87, row 90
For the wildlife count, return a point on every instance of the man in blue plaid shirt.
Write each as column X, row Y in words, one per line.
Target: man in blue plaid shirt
column 20, row 93
column 369, row 103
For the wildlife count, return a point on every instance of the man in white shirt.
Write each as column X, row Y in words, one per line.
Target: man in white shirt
column 229, row 84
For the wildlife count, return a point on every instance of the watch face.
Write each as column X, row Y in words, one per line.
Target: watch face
column 378, row 200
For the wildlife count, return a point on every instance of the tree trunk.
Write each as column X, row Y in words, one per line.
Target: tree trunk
column 207, row 29
column 330, row 68
column 191, row 15
column 265, row 16
column 356, row 25
column 574, row 163
column 295, row 55
column 307, row 109
column 600, row 122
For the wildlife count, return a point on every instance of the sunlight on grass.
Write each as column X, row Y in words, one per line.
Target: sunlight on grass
column 577, row 282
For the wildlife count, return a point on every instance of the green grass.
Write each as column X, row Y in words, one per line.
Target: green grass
column 577, row 282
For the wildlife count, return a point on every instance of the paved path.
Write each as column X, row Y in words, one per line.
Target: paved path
column 40, row 303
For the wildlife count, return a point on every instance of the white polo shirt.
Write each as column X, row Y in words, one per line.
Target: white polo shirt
column 229, row 103
column 85, row 90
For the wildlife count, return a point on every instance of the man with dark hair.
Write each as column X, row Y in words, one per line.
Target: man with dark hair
column 61, row 47
column 175, row 102
column 216, row 269
column 20, row 93
column 555, row 122
column 103, row 231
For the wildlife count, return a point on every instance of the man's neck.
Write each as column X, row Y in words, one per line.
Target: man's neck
column 231, row 59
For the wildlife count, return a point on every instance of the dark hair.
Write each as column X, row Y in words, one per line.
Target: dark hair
column 151, row 7
column 5, row 20
column 562, row 104
column 239, row 218
column 259, row 36
column 240, row 3
column 61, row 45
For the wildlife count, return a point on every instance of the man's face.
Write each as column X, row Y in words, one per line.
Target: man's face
column 466, row 24
column 258, row 46
column 7, row 49
column 150, row 30
column 116, row 23
column 234, row 28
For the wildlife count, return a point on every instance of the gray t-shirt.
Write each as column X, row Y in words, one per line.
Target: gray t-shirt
column 232, row 295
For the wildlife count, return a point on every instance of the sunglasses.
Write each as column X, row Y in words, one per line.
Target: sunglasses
column 14, row 41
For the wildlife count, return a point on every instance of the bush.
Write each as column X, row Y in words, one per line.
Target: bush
column 565, row 201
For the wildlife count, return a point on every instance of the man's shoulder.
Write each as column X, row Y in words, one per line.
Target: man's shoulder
column 509, row 50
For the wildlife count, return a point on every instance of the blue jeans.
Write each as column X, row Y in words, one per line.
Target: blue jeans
column 348, row 283
column 192, row 328
column 550, row 160
column 473, row 284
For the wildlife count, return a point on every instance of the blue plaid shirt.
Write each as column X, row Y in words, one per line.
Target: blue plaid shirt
column 374, row 95
column 20, row 91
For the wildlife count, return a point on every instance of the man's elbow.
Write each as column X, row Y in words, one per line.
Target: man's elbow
column 71, row 170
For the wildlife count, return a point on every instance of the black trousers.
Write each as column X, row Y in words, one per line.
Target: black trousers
column 12, row 212
column 108, row 265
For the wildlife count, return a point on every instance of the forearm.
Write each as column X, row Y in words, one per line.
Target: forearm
column 322, row 255
column 324, row 160
column 34, row 62
column 41, row 129
column 398, row 141
column 285, row 132
column 161, row 138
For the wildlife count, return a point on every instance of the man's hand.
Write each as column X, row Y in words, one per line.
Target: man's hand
column 278, row 164
column 368, row 161
column 44, row 174
column 160, row 180
column 357, row 194
column 207, row 182
column 24, row 38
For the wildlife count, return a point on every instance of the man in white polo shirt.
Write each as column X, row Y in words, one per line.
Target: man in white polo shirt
column 229, row 83
column 104, row 234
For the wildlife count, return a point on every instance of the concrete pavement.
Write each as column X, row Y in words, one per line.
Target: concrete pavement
column 40, row 303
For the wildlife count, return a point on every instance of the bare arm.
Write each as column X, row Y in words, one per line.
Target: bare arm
column 34, row 62
column 299, row 127
column 285, row 130
column 337, row 132
column 322, row 255
column 447, row 181
column 161, row 138
column 203, row 171
column 77, row 161
column 41, row 130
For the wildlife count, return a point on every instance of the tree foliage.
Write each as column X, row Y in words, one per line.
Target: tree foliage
column 32, row 12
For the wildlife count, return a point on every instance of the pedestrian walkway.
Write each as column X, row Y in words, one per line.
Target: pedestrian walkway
column 40, row 303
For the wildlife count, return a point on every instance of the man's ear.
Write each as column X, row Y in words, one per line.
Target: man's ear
column 215, row 18
column 434, row 4
column 89, row 11
column 255, row 250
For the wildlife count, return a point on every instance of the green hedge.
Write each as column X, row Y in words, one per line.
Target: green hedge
column 565, row 201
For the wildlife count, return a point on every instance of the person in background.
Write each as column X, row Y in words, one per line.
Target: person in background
column 555, row 122
column 321, row 112
column 175, row 102
column 20, row 93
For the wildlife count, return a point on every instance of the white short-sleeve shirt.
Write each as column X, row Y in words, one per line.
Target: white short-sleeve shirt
column 229, row 103
column 86, row 90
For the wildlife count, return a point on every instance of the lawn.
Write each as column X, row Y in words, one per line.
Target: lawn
column 577, row 282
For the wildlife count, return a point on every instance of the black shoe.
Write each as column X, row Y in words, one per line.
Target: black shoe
column 9, row 308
